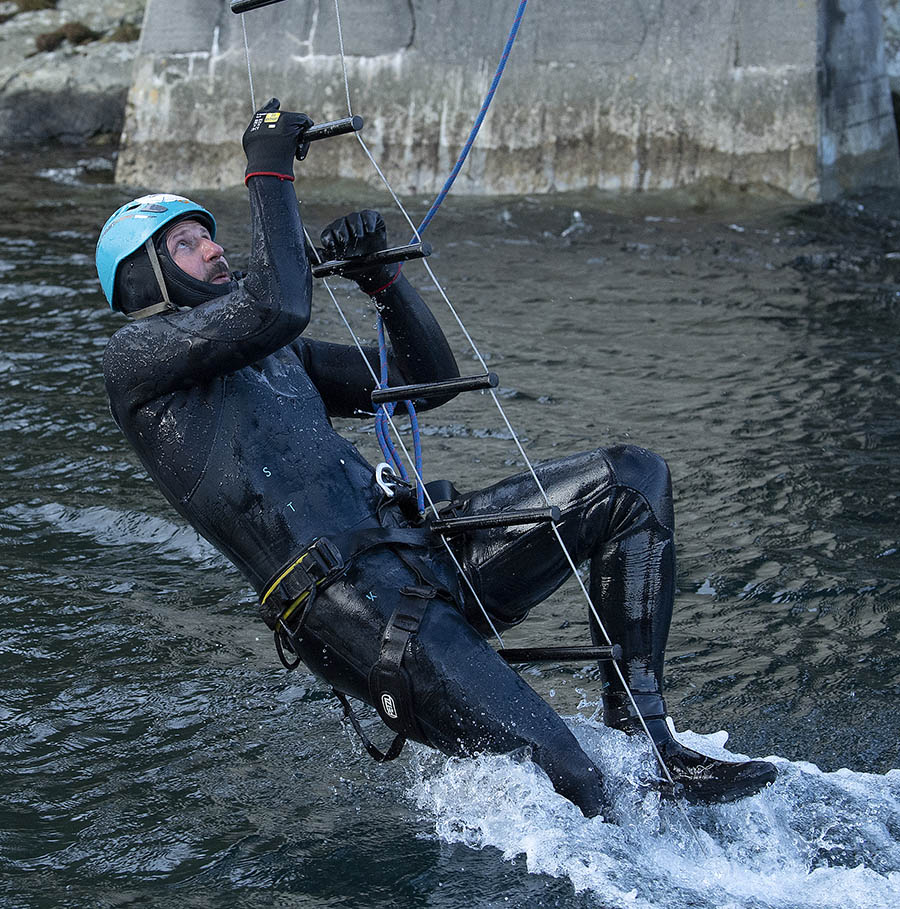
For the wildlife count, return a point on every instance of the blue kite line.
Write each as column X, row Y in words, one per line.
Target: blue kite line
column 481, row 114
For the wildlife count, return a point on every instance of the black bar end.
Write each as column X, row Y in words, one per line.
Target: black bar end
column 244, row 6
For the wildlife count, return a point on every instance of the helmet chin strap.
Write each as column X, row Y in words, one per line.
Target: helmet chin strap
column 167, row 305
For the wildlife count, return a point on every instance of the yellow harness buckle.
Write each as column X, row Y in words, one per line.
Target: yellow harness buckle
column 292, row 587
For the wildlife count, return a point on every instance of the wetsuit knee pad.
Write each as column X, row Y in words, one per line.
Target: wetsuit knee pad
column 647, row 473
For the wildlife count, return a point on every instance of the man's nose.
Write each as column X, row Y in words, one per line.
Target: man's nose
column 212, row 250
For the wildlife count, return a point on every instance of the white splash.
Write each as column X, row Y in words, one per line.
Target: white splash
column 811, row 840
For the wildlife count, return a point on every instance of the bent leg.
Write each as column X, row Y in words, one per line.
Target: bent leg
column 616, row 513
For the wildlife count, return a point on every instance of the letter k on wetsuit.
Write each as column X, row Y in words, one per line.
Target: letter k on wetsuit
column 229, row 409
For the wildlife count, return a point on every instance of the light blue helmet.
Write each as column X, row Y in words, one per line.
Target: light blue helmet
column 132, row 225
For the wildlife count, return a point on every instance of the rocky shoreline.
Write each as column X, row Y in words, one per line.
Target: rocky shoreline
column 65, row 69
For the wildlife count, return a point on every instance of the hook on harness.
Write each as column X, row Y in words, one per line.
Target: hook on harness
column 387, row 487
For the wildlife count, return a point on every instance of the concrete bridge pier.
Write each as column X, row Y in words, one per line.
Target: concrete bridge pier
column 616, row 94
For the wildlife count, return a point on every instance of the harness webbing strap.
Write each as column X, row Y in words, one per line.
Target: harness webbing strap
column 157, row 270
column 356, row 542
column 389, row 684
column 150, row 311
column 375, row 752
column 441, row 491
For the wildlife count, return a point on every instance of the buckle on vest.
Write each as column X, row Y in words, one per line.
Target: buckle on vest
column 320, row 563
column 326, row 559
column 292, row 590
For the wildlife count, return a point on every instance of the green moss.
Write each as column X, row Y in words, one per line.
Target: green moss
column 124, row 33
column 73, row 32
column 28, row 6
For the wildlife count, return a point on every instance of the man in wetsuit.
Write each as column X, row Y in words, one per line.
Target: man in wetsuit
column 228, row 405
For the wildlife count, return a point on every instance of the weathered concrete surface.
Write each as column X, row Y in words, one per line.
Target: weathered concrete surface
column 891, row 18
column 75, row 92
column 857, row 125
column 616, row 94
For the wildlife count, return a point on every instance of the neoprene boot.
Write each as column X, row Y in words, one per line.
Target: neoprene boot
column 697, row 777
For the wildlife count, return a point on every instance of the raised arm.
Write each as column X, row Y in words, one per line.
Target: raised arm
column 268, row 309
column 418, row 350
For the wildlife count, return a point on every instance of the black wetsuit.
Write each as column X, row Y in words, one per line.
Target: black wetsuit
column 228, row 408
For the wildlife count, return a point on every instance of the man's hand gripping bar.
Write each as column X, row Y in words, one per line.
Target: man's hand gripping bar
column 373, row 260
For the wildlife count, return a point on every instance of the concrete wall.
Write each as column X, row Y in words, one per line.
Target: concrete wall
column 891, row 19
column 857, row 130
column 616, row 94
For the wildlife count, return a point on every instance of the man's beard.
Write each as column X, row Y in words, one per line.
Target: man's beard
column 215, row 270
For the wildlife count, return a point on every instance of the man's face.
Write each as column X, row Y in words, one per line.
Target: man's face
column 196, row 253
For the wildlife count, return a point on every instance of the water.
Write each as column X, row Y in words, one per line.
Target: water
column 155, row 753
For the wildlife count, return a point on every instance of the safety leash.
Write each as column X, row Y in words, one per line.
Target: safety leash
column 478, row 120
column 385, row 411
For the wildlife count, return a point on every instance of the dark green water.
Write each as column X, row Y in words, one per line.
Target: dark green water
column 153, row 751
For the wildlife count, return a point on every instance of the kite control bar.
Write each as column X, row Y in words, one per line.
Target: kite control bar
column 332, row 128
column 395, row 393
column 548, row 515
column 554, row 654
column 372, row 260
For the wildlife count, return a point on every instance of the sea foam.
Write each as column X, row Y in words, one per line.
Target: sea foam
column 811, row 839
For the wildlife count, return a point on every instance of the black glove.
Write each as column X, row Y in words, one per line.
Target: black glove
column 359, row 234
column 273, row 139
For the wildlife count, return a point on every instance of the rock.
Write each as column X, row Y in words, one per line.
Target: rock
column 66, row 68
